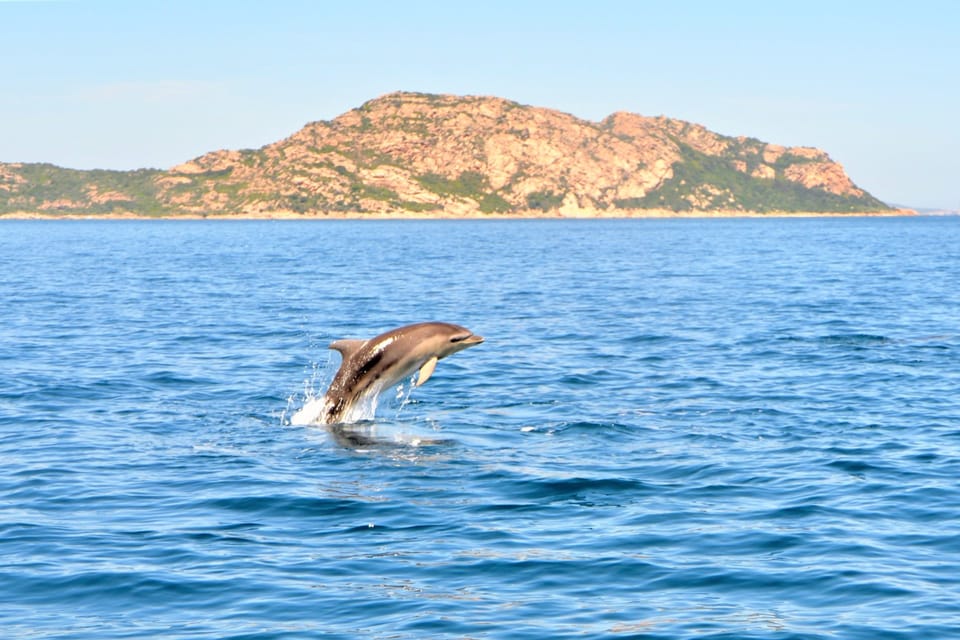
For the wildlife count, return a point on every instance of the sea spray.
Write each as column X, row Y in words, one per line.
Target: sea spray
column 365, row 408
column 313, row 403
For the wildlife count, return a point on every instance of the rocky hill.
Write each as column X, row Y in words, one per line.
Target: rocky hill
column 409, row 153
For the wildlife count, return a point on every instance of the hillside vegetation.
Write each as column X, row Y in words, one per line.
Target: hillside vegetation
column 408, row 153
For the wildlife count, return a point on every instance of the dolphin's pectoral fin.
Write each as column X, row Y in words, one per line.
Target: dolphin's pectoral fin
column 347, row 347
column 427, row 370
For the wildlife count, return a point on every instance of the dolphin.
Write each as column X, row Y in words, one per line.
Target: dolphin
column 369, row 366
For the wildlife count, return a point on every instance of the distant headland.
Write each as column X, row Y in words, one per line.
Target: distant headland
column 413, row 155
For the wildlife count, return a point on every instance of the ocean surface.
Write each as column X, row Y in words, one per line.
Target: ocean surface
column 675, row 429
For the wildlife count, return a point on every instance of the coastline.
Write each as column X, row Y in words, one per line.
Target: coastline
column 442, row 215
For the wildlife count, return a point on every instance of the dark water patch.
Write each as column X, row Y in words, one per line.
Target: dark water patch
column 583, row 490
column 854, row 340
column 108, row 589
column 644, row 339
column 285, row 506
column 855, row 467
column 169, row 378
column 595, row 377
column 595, row 429
column 810, row 511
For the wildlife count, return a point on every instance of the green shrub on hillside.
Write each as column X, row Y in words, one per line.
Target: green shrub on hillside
column 494, row 203
column 46, row 183
column 469, row 184
column 544, row 200
column 697, row 169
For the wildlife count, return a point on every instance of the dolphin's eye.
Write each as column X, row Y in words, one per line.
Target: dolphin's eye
column 458, row 338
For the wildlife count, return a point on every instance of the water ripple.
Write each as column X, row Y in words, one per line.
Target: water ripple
column 692, row 428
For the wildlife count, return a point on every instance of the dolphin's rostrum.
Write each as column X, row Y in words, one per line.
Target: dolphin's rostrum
column 369, row 366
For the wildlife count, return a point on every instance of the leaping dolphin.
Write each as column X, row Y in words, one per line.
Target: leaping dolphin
column 369, row 366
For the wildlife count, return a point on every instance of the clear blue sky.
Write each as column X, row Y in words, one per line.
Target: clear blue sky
column 134, row 83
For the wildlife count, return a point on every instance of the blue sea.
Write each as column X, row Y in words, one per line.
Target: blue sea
column 737, row 428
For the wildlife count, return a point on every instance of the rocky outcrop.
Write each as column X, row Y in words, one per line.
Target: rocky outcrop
column 413, row 153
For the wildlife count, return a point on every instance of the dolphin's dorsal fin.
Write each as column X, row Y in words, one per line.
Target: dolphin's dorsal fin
column 347, row 347
column 427, row 370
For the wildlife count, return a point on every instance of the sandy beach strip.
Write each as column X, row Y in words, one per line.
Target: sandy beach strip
column 442, row 215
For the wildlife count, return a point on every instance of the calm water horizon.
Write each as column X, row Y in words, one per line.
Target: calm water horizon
column 735, row 428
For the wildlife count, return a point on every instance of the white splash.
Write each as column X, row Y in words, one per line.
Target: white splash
column 313, row 403
column 364, row 409
column 309, row 413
